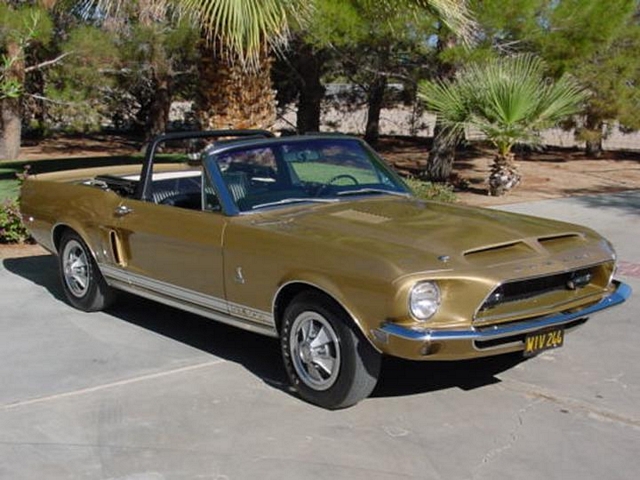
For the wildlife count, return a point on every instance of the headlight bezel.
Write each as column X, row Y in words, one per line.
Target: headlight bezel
column 425, row 299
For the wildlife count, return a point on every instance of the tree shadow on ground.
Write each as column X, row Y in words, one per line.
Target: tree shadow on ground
column 621, row 202
column 259, row 354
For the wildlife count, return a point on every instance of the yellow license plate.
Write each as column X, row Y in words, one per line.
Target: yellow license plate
column 542, row 340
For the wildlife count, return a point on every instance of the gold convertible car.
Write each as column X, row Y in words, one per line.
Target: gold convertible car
column 315, row 240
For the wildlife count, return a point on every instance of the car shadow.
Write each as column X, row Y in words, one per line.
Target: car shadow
column 40, row 269
column 261, row 355
column 402, row 377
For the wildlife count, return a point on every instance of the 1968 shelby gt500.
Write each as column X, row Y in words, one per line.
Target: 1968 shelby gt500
column 314, row 240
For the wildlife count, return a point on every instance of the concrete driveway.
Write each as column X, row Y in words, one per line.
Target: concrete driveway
column 145, row 392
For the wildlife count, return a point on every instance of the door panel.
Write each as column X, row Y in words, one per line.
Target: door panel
column 173, row 245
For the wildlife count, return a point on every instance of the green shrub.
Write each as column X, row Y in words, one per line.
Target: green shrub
column 12, row 229
column 431, row 191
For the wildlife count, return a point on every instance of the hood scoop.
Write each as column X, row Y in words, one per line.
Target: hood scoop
column 521, row 249
column 361, row 216
column 503, row 253
column 557, row 243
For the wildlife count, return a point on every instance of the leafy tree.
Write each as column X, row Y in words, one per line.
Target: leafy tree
column 509, row 100
column 597, row 41
column 297, row 75
column 594, row 40
column 157, row 55
column 33, row 43
column 372, row 46
column 158, row 60
column 75, row 88
column 22, row 26
column 367, row 42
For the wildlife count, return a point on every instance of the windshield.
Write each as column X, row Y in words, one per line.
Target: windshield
column 297, row 171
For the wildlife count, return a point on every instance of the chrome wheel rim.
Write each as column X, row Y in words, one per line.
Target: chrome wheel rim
column 75, row 267
column 315, row 351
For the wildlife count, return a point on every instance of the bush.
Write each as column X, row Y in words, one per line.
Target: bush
column 431, row 191
column 11, row 228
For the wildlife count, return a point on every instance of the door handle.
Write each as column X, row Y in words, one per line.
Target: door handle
column 123, row 210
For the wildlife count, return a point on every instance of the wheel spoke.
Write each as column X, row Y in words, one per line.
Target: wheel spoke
column 80, row 280
column 322, row 338
column 77, row 263
column 326, row 364
column 306, row 330
column 315, row 373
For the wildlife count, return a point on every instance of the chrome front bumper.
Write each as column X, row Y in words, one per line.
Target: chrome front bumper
column 459, row 344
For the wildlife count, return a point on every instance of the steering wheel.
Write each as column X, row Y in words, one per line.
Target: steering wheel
column 335, row 179
column 343, row 175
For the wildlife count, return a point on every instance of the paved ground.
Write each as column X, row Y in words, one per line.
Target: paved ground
column 147, row 393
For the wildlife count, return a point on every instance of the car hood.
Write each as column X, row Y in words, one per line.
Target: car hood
column 406, row 231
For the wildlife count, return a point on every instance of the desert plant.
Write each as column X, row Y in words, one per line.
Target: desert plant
column 431, row 191
column 509, row 100
column 12, row 229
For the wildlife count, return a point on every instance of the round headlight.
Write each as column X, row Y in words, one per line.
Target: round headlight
column 424, row 300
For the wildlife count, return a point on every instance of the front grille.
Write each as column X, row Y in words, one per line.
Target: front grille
column 525, row 289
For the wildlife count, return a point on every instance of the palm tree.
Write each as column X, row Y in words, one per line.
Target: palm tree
column 509, row 100
column 235, row 73
column 238, row 37
column 235, row 69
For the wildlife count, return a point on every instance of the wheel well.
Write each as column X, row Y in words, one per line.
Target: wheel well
column 289, row 292
column 58, row 232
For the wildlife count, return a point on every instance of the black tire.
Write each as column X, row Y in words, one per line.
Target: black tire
column 342, row 368
column 83, row 284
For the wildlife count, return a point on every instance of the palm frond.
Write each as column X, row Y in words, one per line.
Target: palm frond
column 244, row 27
column 455, row 14
column 508, row 99
column 448, row 101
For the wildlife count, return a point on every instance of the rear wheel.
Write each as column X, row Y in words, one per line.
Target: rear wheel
column 327, row 359
column 83, row 284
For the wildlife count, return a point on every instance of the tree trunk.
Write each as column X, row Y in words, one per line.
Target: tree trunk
column 231, row 96
column 504, row 175
column 593, row 136
column 160, row 105
column 375, row 99
column 10, row 129
column 441, row 157
column 593, row 148
column 10, row 108
column 443, row 152
column 310, row 67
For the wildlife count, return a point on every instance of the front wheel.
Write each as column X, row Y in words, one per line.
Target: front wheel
column 328, row 361
column 83, row 284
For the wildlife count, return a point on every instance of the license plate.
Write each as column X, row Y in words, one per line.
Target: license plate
column 542, row 340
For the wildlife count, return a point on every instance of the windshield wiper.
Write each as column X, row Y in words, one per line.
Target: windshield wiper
column 287, row 201
column 368, row 190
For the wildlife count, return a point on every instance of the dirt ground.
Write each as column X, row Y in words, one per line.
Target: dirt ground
column 549, row 173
